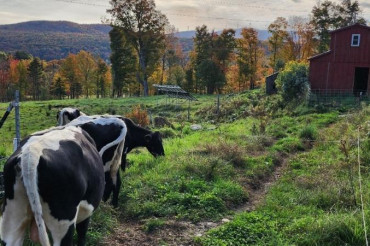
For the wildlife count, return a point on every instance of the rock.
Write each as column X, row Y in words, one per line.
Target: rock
column 224, row 220
column 196, row 127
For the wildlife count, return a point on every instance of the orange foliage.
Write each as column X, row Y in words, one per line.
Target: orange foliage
column 139, row 116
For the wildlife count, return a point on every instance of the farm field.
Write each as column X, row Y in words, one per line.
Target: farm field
column 257, row 173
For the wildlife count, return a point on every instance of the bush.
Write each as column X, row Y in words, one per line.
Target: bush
column 308, row 133
column 139, row 116
column 293, row 82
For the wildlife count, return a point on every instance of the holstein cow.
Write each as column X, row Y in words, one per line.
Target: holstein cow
column 61, row 177
column 54, row 181
column 136, row 137
column 66, row 115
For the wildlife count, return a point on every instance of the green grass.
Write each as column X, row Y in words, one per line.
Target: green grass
column 207, row 173
column 314, row 202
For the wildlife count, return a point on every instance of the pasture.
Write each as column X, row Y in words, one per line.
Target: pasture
column 258, row 172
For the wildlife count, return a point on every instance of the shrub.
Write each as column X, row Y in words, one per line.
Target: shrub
column 309, row 132
column 139, row 116
column 293, row 82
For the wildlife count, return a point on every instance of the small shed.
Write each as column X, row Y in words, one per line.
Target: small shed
column 270, row 84
column 345, row 68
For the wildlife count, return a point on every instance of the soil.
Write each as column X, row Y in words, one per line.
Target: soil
column 182, row 233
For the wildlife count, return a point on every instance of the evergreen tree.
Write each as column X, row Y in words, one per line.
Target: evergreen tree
column 123, row 61
column 35, row 72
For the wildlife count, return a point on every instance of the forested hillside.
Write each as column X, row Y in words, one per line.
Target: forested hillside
column 50, row 40
column 55, row 40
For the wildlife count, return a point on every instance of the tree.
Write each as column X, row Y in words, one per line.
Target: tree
column 35, row 72
column 300, row 43
column 249, row 56
column 293, row 82
column 123, row 59
column 279, row 34
column 71, row 76
column 22, row 55
column 329, row 16
column 349, row 13
column 144, row 28
column 58, row 88
column 87, row 67
column 202, row 52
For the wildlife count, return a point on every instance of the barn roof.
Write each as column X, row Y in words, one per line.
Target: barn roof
column 349, row 27
column 320, row 55
column 175, row 91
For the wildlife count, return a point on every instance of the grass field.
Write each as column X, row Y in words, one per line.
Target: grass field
column 207, row 174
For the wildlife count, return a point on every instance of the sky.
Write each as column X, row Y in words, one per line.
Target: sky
column 183, row 14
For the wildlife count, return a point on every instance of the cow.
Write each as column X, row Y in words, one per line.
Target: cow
column 105, row 134
column 136, row 137
column 66, row 115
column 54, row 181
column 105, row 130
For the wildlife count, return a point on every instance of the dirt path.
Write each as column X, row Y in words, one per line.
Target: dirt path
column 180, row 233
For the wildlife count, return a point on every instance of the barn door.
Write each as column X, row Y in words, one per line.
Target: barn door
column 361, row 80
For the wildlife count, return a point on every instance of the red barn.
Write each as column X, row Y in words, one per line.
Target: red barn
column 345, row 68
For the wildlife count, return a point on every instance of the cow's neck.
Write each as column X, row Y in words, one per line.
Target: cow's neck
column 136, row 137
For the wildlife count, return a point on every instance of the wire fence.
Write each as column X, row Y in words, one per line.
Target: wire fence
column 337, row 97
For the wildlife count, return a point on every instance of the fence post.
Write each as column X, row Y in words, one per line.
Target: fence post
column 17, row 121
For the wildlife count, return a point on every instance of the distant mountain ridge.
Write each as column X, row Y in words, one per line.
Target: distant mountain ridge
column 51, row 40
column 57, row 26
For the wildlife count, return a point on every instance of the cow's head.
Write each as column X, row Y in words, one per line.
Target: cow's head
column 153, row 142
column 66, row 115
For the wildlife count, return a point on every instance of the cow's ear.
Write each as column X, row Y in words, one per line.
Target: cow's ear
column 148, row 138
column 78, row 113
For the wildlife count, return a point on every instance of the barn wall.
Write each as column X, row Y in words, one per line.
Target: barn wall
column 342, row 49
column 336, row 70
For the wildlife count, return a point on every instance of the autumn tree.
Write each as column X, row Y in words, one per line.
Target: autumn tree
column 71, row 76
column 4, row 76
column 123, row 59
column 249, row 54
column 300, row 43
column 102, row 79
column 279, row 34
column 23, row 84
column 35, row 73
column 144, row 28
column 87, row 66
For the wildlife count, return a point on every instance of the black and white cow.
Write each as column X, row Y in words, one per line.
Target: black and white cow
column 104, row 134
column 105, row 130
column 136, row 137
column 66, row 115
column 54, row 181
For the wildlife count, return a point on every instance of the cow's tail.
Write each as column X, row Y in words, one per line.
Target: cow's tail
column 29, row 163
column 120, row 139
column 116, row 161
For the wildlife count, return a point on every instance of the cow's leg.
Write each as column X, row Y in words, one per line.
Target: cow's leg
column 81, row 229
column 116, row 190
column 68, row 238
column 16, row 216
